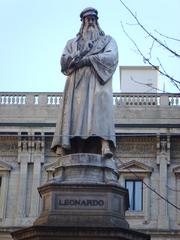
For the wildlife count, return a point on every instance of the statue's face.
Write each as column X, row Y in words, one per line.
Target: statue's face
column 90, row 21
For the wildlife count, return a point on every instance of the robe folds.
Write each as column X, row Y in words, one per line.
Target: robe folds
column 87, row 106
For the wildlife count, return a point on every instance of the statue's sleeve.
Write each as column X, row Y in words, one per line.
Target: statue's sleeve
column 66, row 58
column 106, row 61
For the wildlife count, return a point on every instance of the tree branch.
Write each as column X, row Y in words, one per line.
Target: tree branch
column 175, row 39
column 145, row 59
column 147, row 85
column 145, row 30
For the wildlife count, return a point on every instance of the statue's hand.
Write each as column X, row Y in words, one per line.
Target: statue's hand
column 85, row 61
column 74, row 61
column 78, row 62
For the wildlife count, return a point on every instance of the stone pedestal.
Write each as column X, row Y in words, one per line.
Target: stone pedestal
column 83, row 205
column 82, row 200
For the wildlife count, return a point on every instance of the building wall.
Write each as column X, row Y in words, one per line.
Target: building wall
column 148, row 149
column 142, row 79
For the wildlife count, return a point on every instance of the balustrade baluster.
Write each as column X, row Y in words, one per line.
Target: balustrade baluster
column 137, row 100
column 6, row 99
column 127, row 100
column 13, row 99
column 144, row 100
column 172, row 101
column 155, row 102
column 10, row 99
column 51, row 100
column 19, row 100
column 48, row 99
column 24, row 100
column 177, row 101
column 57, row 100
column 130, row 100
column 117, row 102
column 150, row 100
column 2, row 99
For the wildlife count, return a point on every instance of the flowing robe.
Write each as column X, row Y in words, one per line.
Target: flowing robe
column 87, row 107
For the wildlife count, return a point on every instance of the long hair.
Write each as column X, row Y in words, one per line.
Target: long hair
column 80, row 33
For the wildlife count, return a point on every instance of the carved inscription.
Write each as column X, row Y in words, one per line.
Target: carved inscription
column 79, row 202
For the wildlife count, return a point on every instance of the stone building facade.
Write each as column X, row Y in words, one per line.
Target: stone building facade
column 148, row 157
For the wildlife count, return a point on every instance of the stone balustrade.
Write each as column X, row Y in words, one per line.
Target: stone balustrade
column 122, row 99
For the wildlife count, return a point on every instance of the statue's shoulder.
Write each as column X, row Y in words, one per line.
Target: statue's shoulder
column 111, row 41
column 106, row 39
column 110, row 38
column 71, row 41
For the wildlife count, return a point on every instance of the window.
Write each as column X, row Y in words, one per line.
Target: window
column 135, row 194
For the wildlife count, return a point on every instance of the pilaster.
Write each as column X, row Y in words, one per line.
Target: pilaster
column 147, row 203
column 37, row 159
column 176, row 171
column 4, row 174
column 163, row 159
column 178, row 201
column 24, row 157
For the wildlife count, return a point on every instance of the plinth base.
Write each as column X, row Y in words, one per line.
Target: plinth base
column 93, row 205
column 82, row 201
column 84, row 192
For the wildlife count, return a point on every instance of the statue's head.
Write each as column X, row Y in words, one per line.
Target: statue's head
column 89, row 12
column 89, row 18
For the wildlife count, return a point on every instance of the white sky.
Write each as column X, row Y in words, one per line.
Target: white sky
column 34, row 33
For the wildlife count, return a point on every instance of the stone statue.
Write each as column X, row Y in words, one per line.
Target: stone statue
column 85, row 122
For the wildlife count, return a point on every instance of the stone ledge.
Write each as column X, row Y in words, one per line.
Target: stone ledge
column 76, row 233
column 83, row 168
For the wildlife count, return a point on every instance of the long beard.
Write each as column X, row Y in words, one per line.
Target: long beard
column 90, row 33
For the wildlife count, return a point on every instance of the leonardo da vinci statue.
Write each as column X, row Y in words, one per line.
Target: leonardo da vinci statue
column 85, row 120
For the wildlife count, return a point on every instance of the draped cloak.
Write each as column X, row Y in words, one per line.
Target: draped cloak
column 87, row 106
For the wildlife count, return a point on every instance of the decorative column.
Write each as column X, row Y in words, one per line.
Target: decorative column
column 178, row 199
column 147, row 197
column 24, row 157
column 4, row 175
column 176, row 171
column 163, row 160
column 37, row 159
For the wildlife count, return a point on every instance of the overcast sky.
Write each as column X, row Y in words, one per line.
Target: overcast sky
column 34, row 33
